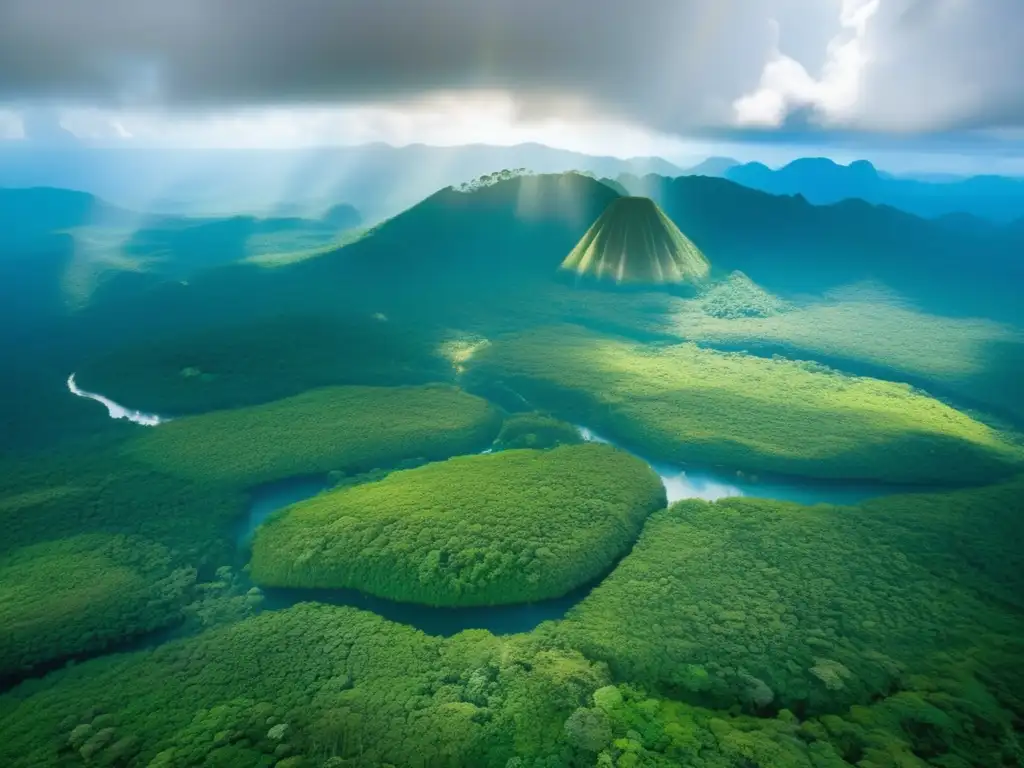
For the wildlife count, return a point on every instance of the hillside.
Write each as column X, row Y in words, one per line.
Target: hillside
column 633, row 241
column 485, row 261
column 66, row 247
column 788, row 244
column 458, row 250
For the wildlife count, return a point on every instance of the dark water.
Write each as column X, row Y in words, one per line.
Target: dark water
column 498, row 619
column 510, row 619
column 271, row 497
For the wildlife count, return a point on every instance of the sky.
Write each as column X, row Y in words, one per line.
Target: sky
column 935, row 80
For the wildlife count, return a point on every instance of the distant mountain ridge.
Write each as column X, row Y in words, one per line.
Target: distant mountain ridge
column 823, row 182
column 713, row 166
column 380, row 180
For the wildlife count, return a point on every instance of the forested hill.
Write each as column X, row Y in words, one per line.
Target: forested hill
column 792, row 245
column 463, row 247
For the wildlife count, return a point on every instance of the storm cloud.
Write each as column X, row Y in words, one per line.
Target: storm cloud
column 670, row 65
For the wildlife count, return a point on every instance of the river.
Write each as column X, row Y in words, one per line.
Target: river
column 680, row 483
column 116, row 410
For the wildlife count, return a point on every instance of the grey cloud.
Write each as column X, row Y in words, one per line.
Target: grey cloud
column 664, row 62
column 673, row 65
column 943, row 65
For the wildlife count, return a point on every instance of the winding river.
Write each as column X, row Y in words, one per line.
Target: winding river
column 116, row 410
column 680, row 483
column 508, row 619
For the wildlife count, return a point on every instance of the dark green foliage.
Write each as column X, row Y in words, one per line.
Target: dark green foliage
column 681, row 403
column 769, row 604
column 535, row 430
column 365, row 692
column 263, row 360
column 490, row 179
column 78, row 595
column 514, row 526
column 969, row 536
column 363, row 689
column 345, row 428
column 103, row 491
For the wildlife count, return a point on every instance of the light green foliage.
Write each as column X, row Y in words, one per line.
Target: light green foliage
column 911, row 729
column 275, row 255
column 535, row 430
column 861, row 329
column 81, row 594
column 862, row 324
column 458, row 348
column 682, row 403
column 347, row 428
column 514, row 526
column 660, row 733
column 633, row 241
column 817, row 607
column 739, row 296
column 362, row 690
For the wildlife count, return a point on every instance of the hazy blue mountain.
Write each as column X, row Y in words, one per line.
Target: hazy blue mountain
column 823, row 181
column 713, row 166
column 378, row 179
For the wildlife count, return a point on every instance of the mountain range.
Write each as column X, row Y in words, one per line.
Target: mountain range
column 378, row 179
column 381, row 180
column 823, row 181
column 493, row 236
column 483, row 259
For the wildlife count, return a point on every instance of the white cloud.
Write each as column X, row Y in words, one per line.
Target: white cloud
column 786, row 85
column 940, row 65
column 11, row 126
column 440, row 119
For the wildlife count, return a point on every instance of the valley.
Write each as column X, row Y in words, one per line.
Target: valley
column 472, row 488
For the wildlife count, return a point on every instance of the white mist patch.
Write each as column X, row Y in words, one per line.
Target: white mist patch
column 711, row 484
column 590, row 436
column 116, row 410
column 681, row 485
